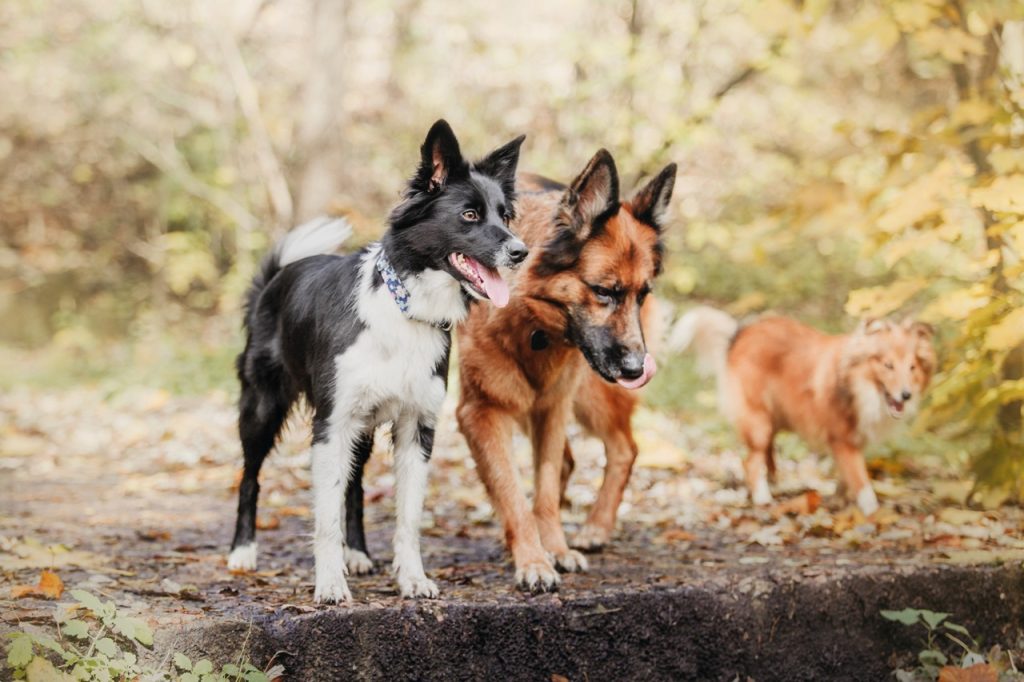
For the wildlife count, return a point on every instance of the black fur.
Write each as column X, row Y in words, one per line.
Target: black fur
column 300, row 316
column 354, row 535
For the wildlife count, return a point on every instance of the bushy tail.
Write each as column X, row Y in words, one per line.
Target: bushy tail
column 709, row 332
column 320, row 235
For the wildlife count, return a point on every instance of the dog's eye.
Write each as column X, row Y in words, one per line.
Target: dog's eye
column 888, row 365
column 470, row 215
column 604, row 295
column 642, row 295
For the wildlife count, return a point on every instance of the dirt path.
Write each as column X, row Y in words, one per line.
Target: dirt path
column 131, row 495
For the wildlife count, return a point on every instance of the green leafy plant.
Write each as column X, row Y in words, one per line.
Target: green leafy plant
column 934, row 663
column 97, row 642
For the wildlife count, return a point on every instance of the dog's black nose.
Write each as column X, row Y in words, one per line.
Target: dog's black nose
column 632, row 365
column 517, row 251
column 906, row 395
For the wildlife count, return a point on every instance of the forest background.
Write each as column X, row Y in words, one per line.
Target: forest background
column 837, row 160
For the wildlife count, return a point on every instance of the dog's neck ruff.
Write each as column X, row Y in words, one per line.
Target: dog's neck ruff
column 399, row 293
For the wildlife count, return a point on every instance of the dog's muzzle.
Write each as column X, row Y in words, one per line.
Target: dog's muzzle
column 514, row 252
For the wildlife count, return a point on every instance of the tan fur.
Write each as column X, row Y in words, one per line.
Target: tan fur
column 834, row 391
column 505, row 383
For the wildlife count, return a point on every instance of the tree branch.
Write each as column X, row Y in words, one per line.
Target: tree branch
column 248, row 100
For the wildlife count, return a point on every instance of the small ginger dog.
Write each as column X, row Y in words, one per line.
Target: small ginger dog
column 842, row 392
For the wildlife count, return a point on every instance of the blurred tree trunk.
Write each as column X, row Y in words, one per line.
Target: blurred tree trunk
column 321, row 120
column 405, row 14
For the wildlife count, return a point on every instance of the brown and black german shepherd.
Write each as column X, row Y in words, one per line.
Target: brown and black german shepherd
column 580, row 298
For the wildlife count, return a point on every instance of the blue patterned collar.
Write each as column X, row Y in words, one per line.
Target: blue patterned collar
column 398, row 291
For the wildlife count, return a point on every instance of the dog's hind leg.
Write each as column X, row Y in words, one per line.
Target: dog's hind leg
column 568, row 465
column 756, row 429
column 261, row 414
column 414, row 442
column 333, row 452
column 357, row 557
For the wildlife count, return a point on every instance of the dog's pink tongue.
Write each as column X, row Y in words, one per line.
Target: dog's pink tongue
column 650, row 368
column 494, row 286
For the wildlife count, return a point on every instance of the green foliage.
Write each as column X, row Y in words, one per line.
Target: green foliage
column 944, row 219
column 96, row 642
column 931, row 658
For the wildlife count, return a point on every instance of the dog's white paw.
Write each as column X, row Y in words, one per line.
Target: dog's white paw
column 867, row 501
column 358, row 563
column 762, row 495
column 332, row 591
column 570, row 562
column 538, row 576
column 591, row 538
column 243, row 558
column 420, row 586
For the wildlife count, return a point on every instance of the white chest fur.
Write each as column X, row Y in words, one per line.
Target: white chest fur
column 391, row 365
column 873, row 420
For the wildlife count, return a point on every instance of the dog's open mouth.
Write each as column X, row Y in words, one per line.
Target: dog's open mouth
column 895, row 406
column 484, row 280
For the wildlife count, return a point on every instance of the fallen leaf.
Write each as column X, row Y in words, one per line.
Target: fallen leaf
column 945, row 541
column 268, row 522
column 50, row 586
column 848, row 519
column 885, row 517
column 807, row 503
column 154, row 535
column 979, row 672
column 293, row 511
column 675, row 535
column 982, row 556
column 960, row 517
column 30, row 553
column 885, row 465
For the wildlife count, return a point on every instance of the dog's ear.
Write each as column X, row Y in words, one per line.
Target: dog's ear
column 501, row 164
column 650, row 204
column 593, row 195
column 923, row 330
column 440, row 159
column 873, row 325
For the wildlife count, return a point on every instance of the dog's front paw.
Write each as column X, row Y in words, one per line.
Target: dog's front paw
column 538, row 576
column 243, row 558
column 762, row 494
column 332, row 591
column 591, row 539
column 414, row 588
column 358, row 562
column 570, row 561
column 867, row 500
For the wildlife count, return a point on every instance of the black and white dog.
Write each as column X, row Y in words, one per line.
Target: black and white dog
column 366, row 338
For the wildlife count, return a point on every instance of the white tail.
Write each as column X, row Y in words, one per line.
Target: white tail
column 709, row 332
column 320, row 235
